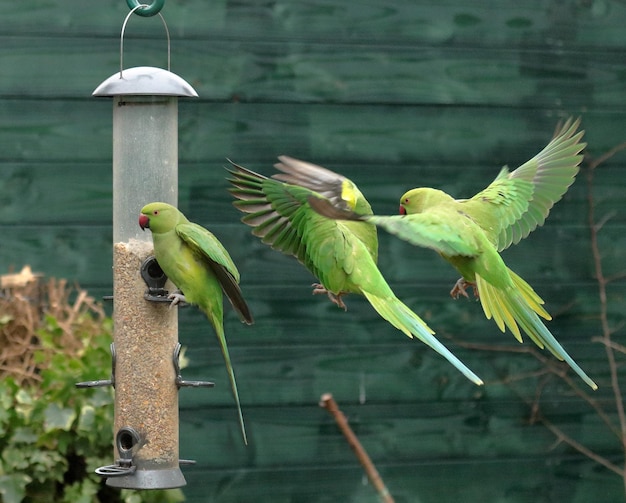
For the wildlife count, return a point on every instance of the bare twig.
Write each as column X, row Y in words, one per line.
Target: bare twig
column 594, row 228
column 614, row 345
column 549, row 366
column 561, row 436
column 594, row 163
column 328, row 402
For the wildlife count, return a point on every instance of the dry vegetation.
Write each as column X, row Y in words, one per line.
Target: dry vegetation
column 26, row 302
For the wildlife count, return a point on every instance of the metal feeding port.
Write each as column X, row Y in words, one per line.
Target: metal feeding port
column 155, row 279
column 126, row 440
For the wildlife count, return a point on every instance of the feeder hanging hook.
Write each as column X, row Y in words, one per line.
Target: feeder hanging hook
column 137, row 9
column 146, row 10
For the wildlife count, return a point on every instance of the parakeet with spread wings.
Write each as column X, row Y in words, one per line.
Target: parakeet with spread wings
column 341, row 255
column 470, row 233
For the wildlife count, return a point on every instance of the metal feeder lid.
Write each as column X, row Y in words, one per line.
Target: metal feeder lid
column 145, row 80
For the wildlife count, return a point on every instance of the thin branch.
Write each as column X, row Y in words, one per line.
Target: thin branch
column 616, row 277
column 594, row 163
column 602, row 293
column 328, row 402
column 598, row 226
column 548, row 366
column 612, row 344
column 594, row 228
column 580, row 447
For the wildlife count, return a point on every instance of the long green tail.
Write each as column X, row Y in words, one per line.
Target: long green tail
column 518, row 307
column 400, row 316
column 219, row 330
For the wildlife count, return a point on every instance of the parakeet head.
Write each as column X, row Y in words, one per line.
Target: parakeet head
column 158, row 217
column 418, row 200
column 410, row 202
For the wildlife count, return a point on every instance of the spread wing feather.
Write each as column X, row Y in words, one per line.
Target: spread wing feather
column 517, row 202
column 278, row 212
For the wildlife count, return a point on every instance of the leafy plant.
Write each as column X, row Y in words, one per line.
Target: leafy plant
column 53, row 435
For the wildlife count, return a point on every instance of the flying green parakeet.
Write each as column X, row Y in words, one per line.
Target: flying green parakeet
column 342, row 255
column 470, row 233
column 199, row 265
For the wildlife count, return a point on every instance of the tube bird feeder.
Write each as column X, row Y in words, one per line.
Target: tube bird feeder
column 145, row 348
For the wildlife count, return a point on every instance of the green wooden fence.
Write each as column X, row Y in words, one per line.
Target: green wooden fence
column 394, row 95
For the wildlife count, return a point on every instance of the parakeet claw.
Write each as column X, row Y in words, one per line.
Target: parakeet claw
column 176, row 298
column 318, row 289
column 460, row 289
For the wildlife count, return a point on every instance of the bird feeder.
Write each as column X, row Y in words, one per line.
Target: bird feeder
column 145, row 349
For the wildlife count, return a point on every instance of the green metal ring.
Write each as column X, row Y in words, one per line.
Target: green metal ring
column 151, row 10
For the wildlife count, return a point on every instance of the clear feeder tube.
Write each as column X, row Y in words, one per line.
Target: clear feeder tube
column 145, row 159
column 145, row 169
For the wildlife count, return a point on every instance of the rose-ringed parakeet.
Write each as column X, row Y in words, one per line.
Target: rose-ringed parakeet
column 342, row 255
column 199, row 265
column 470, row 233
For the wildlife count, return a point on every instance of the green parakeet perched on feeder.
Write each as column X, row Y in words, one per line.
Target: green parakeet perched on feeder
column 342, row 255
column 470, row 233
column 199, row 265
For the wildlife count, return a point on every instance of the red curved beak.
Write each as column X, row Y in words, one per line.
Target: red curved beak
column 144, row 222
column 402, row 210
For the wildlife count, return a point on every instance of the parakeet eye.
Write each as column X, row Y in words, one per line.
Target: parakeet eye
column 155, row 212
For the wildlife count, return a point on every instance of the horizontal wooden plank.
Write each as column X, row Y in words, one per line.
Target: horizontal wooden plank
column 35, row 130
column 47, row 130
column 323, row 73
column 27, row 187
column 316, row 325
column 78, row 253
column 403, row 75
column 482, row 418
column 293, row 366
column 273, row 72
column 402, row 433
column 506, row 480
column 396, row 22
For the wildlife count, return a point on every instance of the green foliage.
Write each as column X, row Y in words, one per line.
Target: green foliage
column 53, row 435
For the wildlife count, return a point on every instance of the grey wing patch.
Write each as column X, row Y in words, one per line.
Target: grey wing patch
column 323, row 181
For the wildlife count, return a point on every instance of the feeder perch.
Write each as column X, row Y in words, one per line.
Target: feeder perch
column 147, row 378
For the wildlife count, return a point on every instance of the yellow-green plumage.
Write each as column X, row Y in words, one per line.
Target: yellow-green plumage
column 470, row 233
column 342, row 255
column 199, row 265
